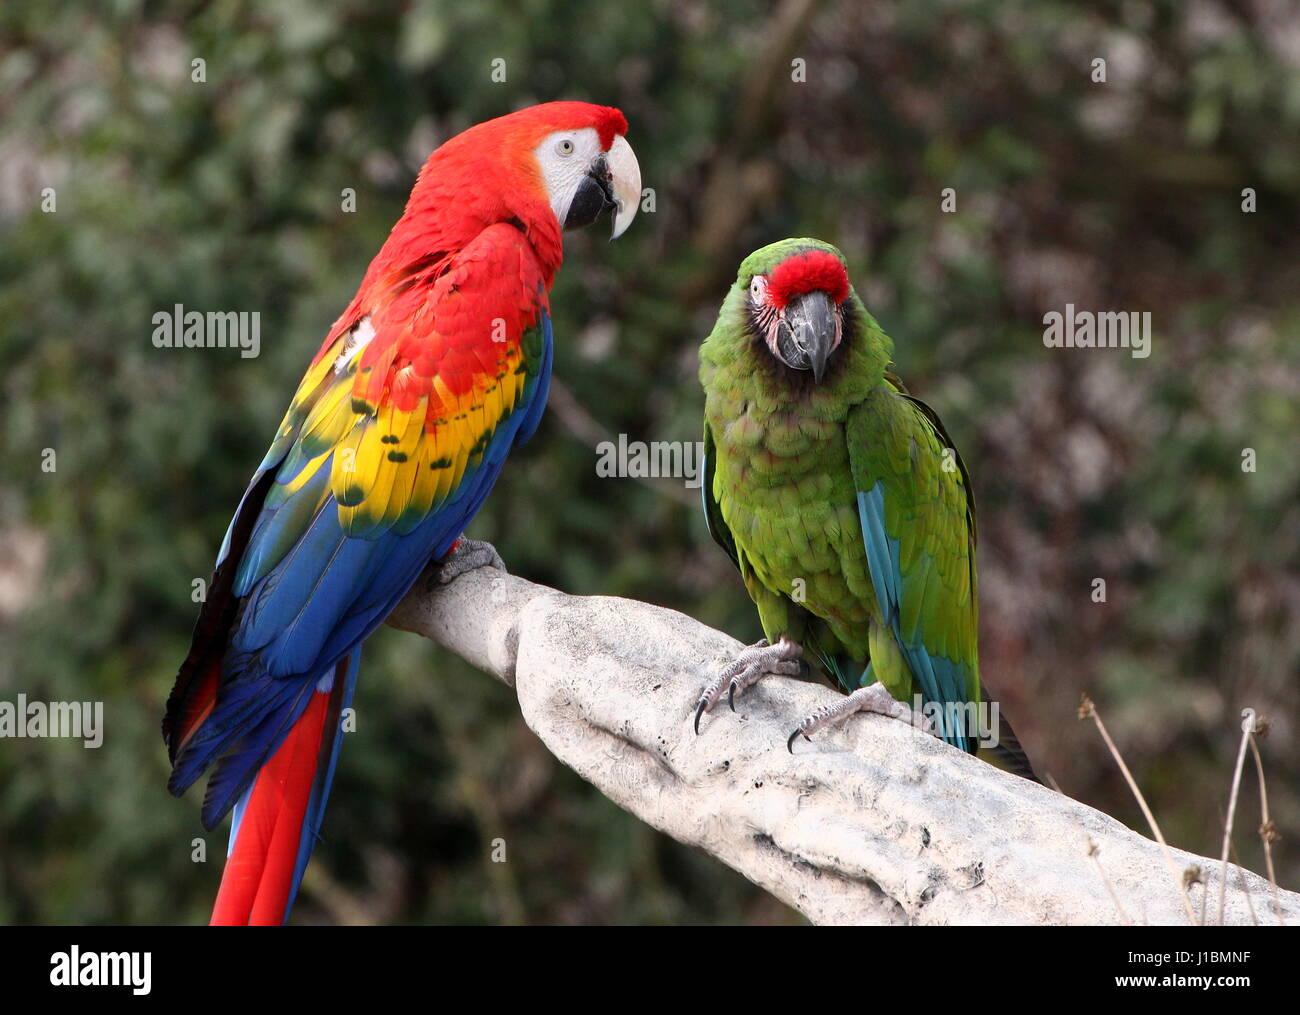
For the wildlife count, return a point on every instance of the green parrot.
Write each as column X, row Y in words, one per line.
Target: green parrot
column 843, row 503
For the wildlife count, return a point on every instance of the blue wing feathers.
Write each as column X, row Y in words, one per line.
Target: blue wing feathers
column 941, row 680
column 307, row 607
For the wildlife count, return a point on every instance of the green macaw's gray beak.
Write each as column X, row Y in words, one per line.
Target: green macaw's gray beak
column 806, row 333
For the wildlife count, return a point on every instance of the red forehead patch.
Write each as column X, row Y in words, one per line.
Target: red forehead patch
column 808, row 272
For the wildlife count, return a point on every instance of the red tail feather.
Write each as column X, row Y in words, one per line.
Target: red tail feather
column 259, row 874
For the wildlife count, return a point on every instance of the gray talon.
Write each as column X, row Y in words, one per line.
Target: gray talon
column 746, row 670
column 873, row 698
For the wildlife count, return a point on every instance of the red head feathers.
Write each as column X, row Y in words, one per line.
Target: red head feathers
column 808, row 272
column 527, row 127
column 488, row 174
column 484, row 175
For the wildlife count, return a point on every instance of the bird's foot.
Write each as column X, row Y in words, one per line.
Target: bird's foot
column 872, row 698
column 746, row 669
column 466, row 555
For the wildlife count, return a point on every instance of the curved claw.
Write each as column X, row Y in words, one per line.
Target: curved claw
column 745, row 670
column 789, row 744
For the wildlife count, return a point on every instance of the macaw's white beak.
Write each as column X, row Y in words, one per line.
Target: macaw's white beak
column 625, row 184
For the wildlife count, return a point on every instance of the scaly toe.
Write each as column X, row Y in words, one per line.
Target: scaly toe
column 469, row 555
column 873, row 698
column 749, row 666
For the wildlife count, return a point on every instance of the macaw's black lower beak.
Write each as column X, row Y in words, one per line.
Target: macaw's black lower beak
column 593, row 198
column 806, row 335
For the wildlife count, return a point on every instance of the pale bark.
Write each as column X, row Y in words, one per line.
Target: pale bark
column 876, row 822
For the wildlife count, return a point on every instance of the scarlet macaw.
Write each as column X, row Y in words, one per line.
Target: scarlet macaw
column 437, row 368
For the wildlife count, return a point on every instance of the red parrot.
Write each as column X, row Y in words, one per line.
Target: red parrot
column 436, row 369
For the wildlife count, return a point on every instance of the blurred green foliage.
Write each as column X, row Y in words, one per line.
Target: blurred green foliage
column 226, row 195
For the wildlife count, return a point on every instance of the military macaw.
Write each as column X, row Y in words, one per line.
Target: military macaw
column 436, row 369
column 842, row 501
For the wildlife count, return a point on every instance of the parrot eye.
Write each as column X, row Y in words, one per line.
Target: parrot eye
column 758, row 287
column 564, row 147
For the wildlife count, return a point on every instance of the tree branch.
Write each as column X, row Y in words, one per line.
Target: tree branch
column 875, row 822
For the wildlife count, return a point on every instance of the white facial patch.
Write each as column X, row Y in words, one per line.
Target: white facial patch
column 565, row 158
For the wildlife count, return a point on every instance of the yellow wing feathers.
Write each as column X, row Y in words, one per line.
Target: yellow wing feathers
column 391, row 466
